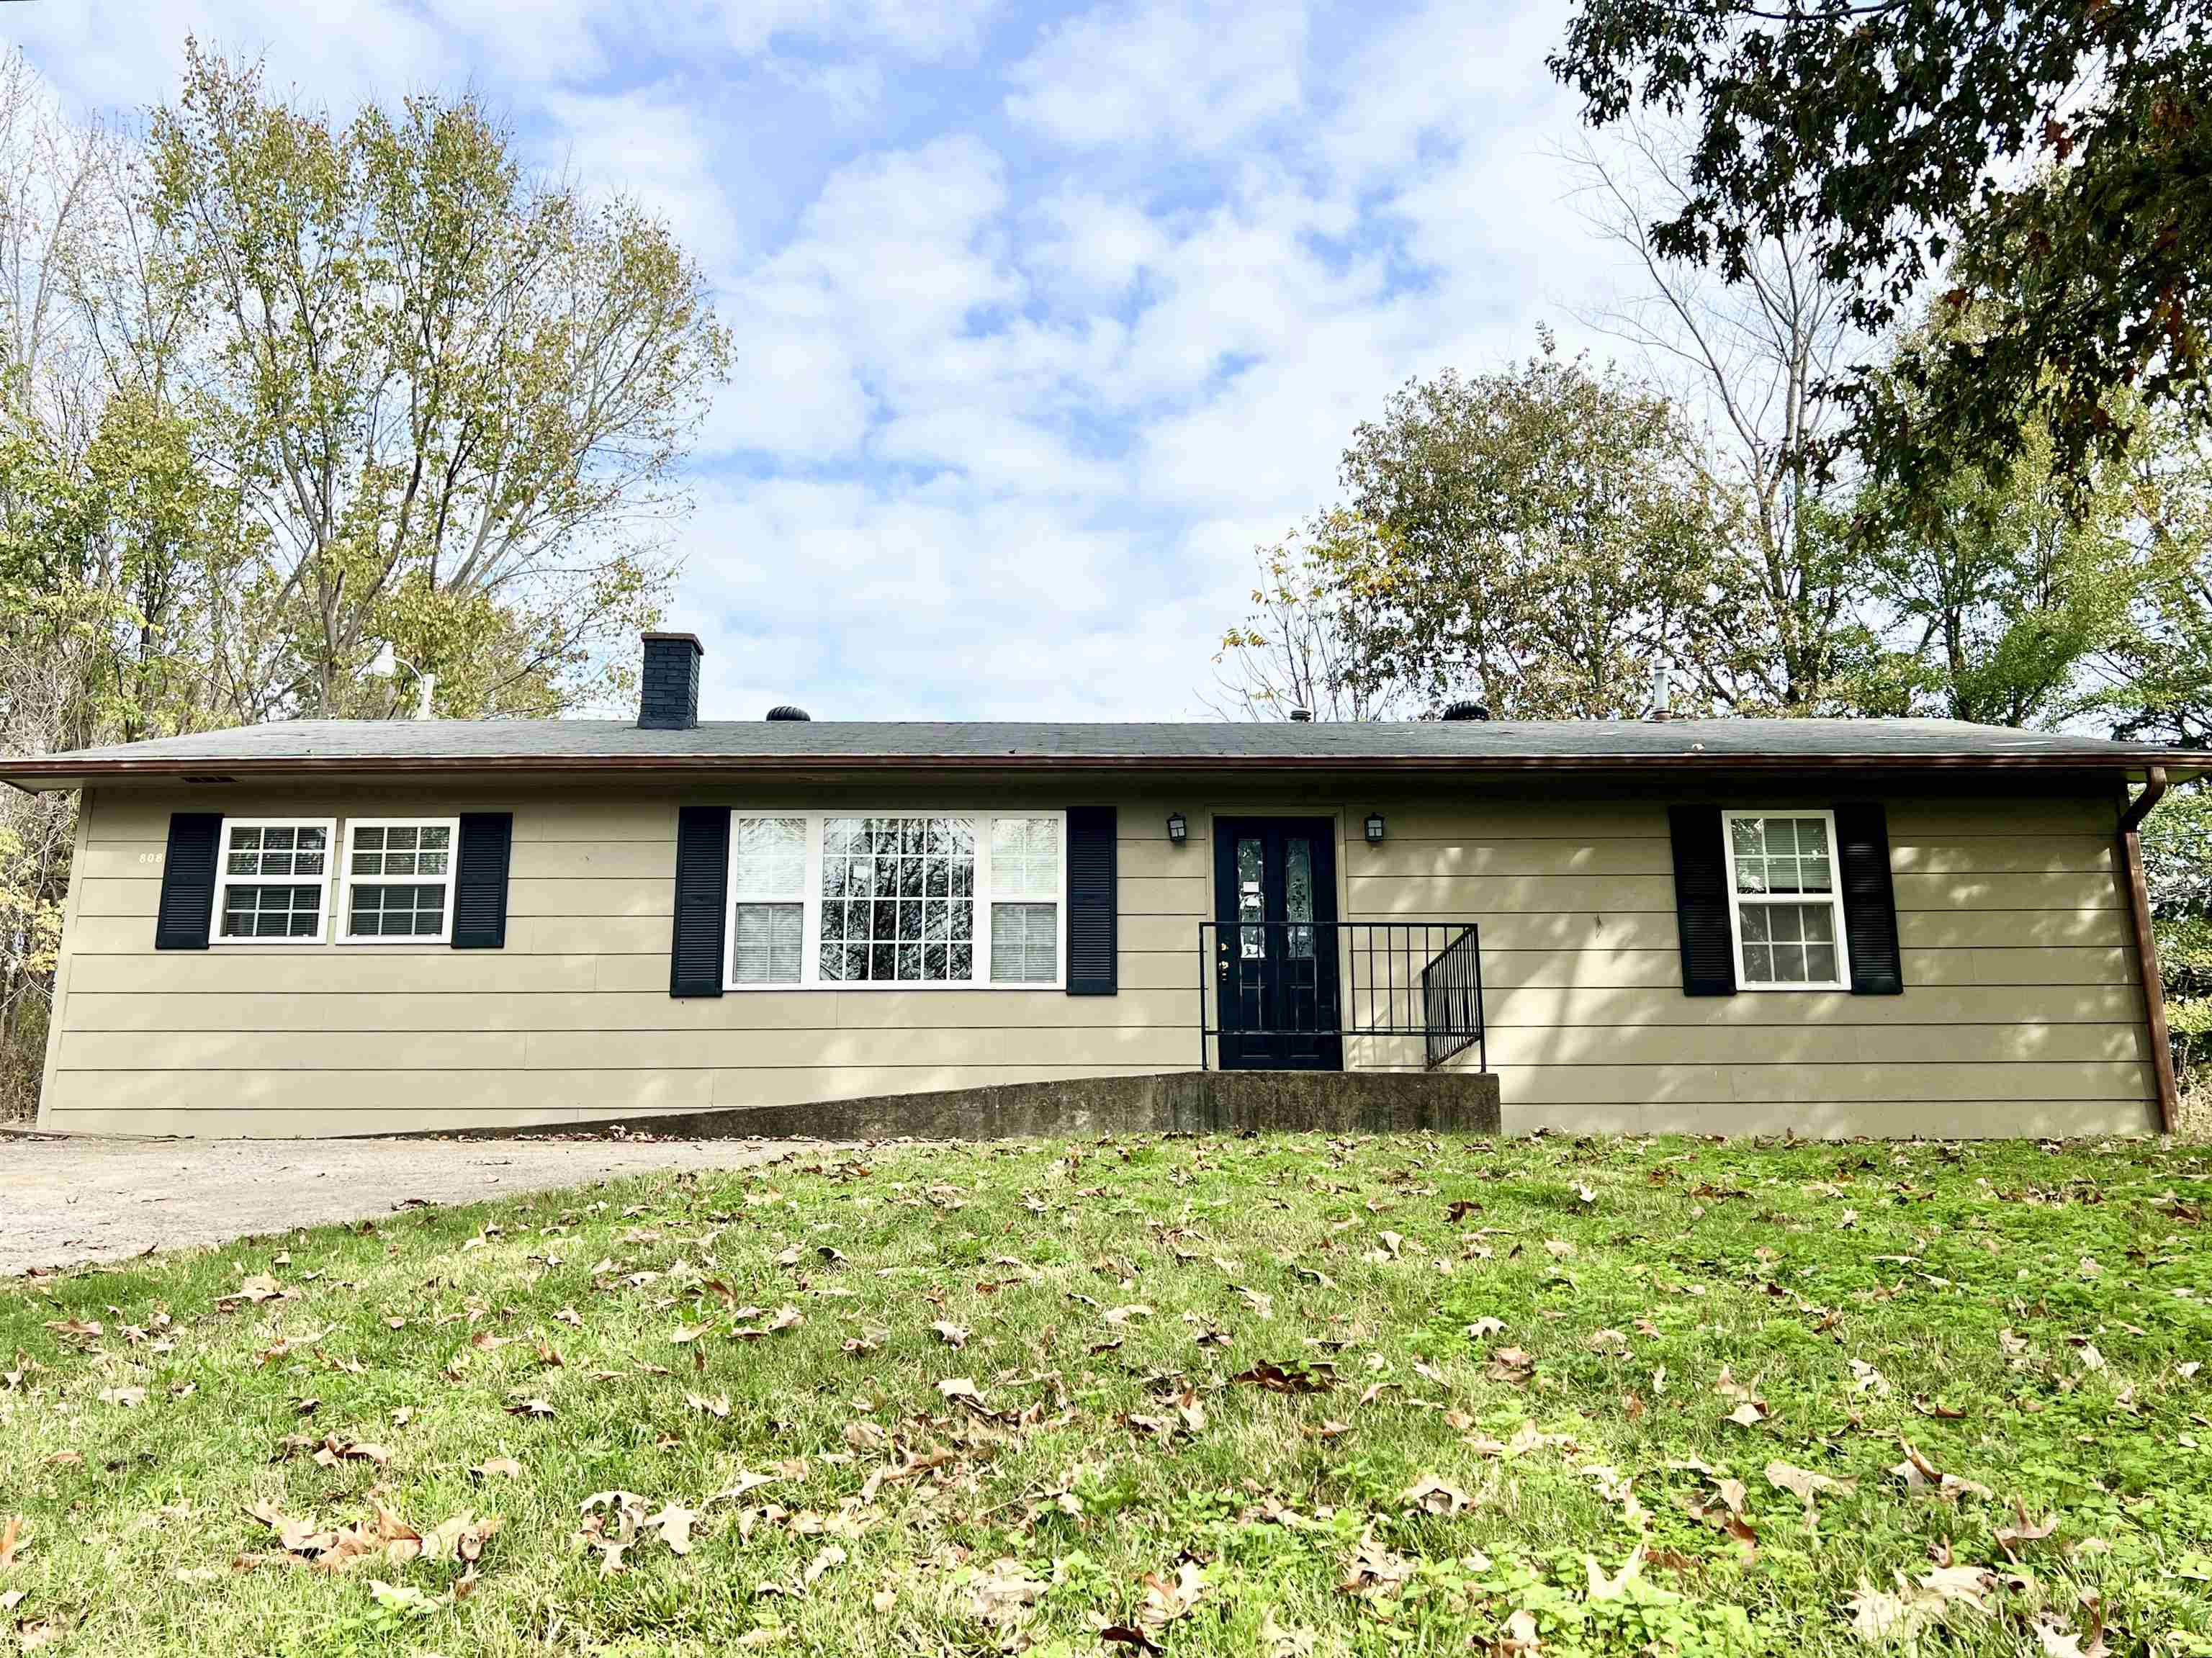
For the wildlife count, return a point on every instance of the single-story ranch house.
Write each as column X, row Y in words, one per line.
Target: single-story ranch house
column 1826, row 926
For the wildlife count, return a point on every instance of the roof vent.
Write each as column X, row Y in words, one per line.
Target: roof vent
column 1466, row 711
column 788, row 711
column 1302, row 716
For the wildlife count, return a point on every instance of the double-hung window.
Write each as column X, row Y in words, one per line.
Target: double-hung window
column 910, row 898
column 400, row 880
column 1783, row 900
column 273, row 881
column 767, row 884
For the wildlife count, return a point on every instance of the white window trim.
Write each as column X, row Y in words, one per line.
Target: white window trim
column 349, row 882
column 810, row 900
column 224, row 881
column 1834, row 894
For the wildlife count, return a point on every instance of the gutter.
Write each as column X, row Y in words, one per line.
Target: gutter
column 63, row 772
column 2129, row 845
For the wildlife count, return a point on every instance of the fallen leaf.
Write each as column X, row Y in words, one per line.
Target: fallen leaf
column 1004, row 1595
column 1375, row 1569
column 1168, row 1600
column 1433, row 1495
column 1802, row 1482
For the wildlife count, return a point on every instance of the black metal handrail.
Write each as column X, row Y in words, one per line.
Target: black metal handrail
column 1397, row 979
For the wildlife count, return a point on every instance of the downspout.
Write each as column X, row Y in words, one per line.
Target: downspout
column 2130, row 847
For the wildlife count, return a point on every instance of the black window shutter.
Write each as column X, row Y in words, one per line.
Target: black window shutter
column 1701, row 902
column 1092, row 936
column 188, row 881
column 480, row 880
column 1870, row 899
column 703, row 890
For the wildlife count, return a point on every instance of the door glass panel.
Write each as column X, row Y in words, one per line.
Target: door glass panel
column 1298, row 896
column 1251, row 898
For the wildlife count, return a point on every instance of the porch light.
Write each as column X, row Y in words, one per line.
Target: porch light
column 1178, row 828
column 1374, row 829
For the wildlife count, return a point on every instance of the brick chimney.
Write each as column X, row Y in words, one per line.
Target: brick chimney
column 668, row 691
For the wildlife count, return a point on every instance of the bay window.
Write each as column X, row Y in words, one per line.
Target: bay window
column 907, row 899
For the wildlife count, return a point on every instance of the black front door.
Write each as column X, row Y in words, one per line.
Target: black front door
column 1275, row 952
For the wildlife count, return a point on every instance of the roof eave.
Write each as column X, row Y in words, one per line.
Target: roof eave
column 62, row 773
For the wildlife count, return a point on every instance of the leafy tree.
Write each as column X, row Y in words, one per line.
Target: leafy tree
column 2051, row 160
column 452, row 397
column 2005, row 590
column 1544, row 537
column 276, row 389
column 2160, row 677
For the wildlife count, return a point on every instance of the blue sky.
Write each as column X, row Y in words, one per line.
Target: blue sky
column 1046, row 316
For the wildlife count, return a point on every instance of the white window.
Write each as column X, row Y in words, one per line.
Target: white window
column 1784, row 902
column 1024, row 901
column 273, row 884
column 400, row 880
column 767, row 883
column 911, row 899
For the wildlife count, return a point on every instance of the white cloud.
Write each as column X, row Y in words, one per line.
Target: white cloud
column 1039, row 328
column 913, row 28
column 655, row 148
column 1192, row 72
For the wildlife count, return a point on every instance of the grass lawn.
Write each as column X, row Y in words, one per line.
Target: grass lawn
column 1274, row 1396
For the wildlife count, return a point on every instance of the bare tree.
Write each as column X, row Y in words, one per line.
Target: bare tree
column 1292, row 650
column 1757, row 359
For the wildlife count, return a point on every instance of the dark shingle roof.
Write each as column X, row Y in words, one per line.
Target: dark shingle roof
column 323, row 745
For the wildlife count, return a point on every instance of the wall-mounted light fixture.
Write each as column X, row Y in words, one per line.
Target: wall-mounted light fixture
column 1178, row 828
column 1374, row 829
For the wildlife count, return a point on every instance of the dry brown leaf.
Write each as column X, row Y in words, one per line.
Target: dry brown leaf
column 499, row 1467
column 1168, row 1600
column 1919, row 1474
column 951, row 1334
column 1803, row 1483
column 1004, row 1595
column 334, row 1450
column 673, row 1525
column 1375, row 1569
column 1433, row 1496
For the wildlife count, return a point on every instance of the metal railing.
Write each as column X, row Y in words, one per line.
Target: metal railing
column 1306, row 988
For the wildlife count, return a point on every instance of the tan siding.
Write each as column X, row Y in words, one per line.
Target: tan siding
column 2021, row 1013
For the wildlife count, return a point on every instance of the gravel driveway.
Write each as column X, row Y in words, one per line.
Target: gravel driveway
column 65, row 1200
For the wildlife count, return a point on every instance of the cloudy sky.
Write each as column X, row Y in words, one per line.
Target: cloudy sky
column 1045, row 316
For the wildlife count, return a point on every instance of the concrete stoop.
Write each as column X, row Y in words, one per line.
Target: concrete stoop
column 1178, row 1101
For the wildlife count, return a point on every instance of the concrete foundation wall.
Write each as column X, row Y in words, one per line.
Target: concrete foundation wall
column 1190, row 1102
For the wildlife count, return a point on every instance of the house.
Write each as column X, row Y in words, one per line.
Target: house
column 1823, row 927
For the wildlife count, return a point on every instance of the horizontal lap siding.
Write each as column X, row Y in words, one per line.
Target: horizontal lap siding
column 572, row 1020
column 2022, row 1012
